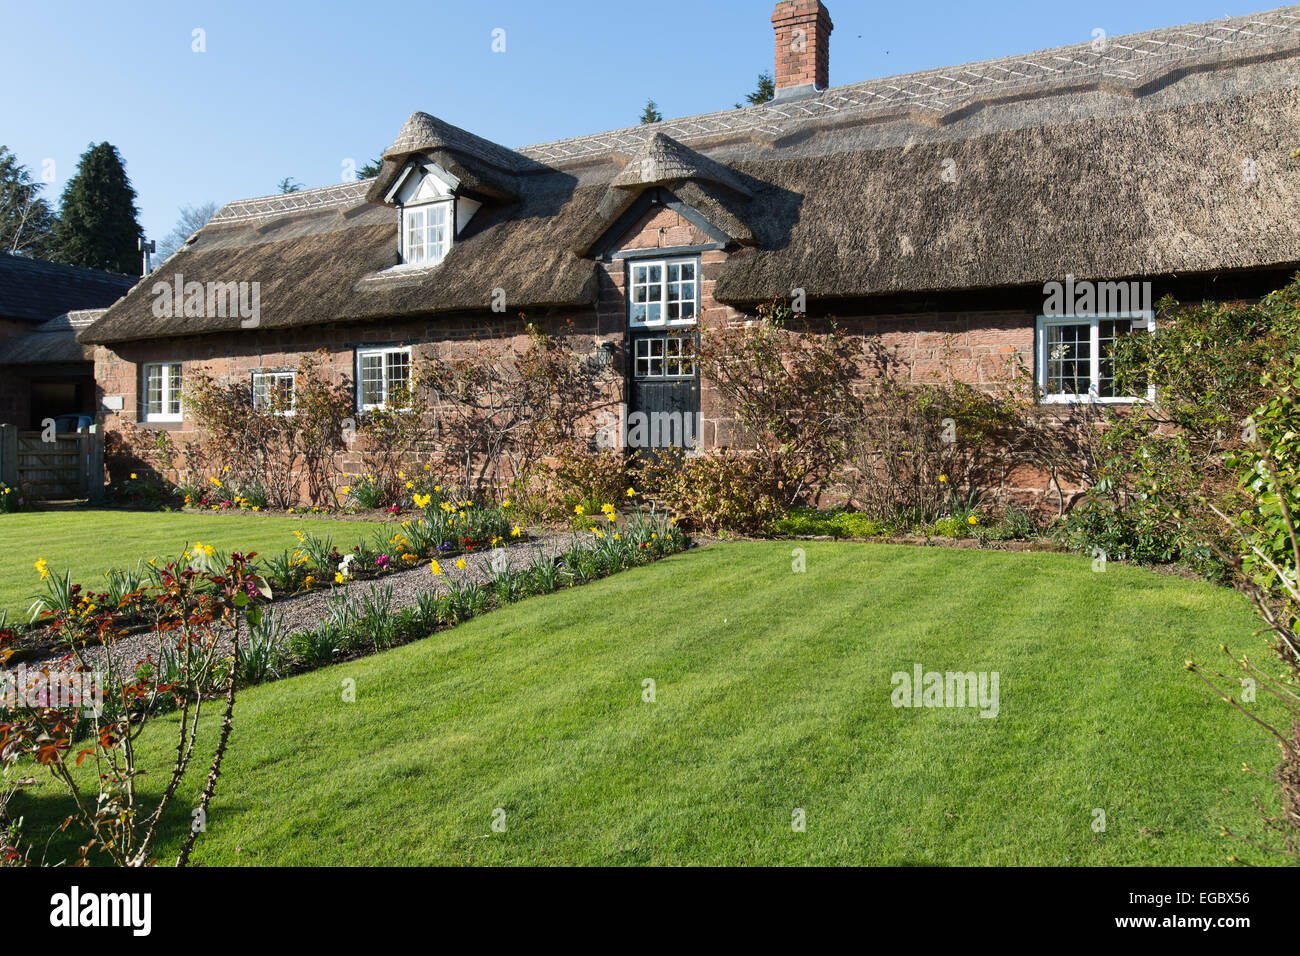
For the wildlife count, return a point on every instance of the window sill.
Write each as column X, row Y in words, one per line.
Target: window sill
column 1090, row 400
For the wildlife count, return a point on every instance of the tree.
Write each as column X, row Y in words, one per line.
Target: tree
column 98, row 223
column 371, row 169
column 26, row 220
column 651, row 114
column 763, row 93
column 193, row 218
column 288, row 185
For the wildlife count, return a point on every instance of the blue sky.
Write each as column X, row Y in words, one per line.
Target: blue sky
column 298, row 88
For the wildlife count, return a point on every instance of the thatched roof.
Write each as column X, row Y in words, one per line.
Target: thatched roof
column 1165, row 152
column 35, row 290
column 53, row 341
column 663, row 161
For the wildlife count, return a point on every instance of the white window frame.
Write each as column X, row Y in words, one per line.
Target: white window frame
column 681, row 357
column 275, row 376
column 663, row 321
column 424, row 211
column 170, row 388
column 382, row 350
column 1094, row 357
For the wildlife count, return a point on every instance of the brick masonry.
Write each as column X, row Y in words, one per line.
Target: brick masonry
column 974, row 347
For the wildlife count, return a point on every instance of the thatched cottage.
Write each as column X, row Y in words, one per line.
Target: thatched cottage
column 928, row 213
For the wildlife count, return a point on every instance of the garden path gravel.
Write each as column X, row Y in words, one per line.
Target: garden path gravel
column 302, row 612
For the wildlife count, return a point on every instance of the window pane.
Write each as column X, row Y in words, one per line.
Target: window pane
column 399, row 372
column 1108, row 330
column 372, row 378
column 1069, row 359
column 438, row 233
column 153, row 390
column 415, row 236
column 174, row 389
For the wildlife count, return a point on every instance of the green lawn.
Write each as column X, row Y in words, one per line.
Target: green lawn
column 773, row 693
column 91, row 542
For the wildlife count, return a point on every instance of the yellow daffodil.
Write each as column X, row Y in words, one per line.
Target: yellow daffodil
column 516, row 532
column 579, row 509
column 435, row 568
column 133, row 474
column 631, row 492
column 943, row 479
column 460, row 563
column 338, row 577
column 972, row 520
column 40, row 566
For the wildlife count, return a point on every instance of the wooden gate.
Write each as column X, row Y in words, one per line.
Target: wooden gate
column 68, row 465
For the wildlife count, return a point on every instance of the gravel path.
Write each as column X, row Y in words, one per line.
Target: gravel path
column 303, row 612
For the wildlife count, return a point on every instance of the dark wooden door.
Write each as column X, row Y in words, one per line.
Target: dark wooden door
column 664, row 410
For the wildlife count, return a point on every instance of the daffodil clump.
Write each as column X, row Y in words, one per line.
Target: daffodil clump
column 224, row 494
column 10, row 499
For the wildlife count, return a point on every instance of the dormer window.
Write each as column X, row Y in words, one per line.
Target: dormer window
column 432, row 211
column 426, row 229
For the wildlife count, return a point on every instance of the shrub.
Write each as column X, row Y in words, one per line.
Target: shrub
column 574, row 477
column 787, row 385
column 499, row 415
column 1268, row 552
column 263, row 451
column 1162, row 465
column 108, row 711
column 719, row 491
column 913, row 450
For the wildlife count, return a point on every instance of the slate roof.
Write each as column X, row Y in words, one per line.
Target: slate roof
column 36, row 290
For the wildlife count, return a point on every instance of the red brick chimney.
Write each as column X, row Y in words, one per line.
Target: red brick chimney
column 803, row 46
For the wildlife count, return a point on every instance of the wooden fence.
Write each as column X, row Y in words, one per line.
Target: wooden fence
column 51, row 466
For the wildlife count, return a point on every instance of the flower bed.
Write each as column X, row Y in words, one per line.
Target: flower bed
column 444, row 533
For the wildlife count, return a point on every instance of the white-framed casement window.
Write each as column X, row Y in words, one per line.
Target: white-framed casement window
column 426, row 233
column 383, row 377
column 670, row 355
column 1075, row 357
column 274, row 390
column 663, row 292
column 162, row 392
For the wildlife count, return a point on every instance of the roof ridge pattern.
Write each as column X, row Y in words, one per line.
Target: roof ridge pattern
column 1123, row 60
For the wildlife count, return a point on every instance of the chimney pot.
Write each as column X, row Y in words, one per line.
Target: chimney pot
column 803, row 44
